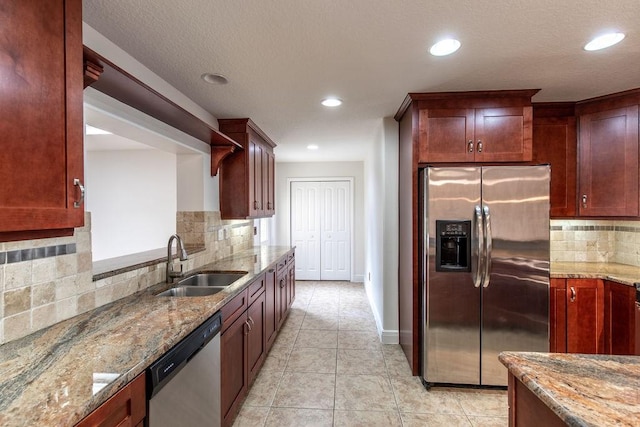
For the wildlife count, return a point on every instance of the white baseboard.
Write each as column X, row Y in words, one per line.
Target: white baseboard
column 389, row 337
column 358, row 278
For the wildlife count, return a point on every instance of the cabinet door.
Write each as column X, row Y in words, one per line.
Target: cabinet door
column 619, row 318
column 558, row 316
column 125, row 408
column 608, row 151
column 446, row 135
column 503, row 134
column 41, row 110
column 256, row 348
column 554, row 142
column 291, row 282
column 233, row 368
column 585, row 316
column 269, row 183
column 281, row 289
column 271, row 319
column 255, row 178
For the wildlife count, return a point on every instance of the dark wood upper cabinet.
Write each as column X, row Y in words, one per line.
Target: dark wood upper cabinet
column 555, row 142
column 608, row 156
column 247, row 175
column 41, row 107
column 458, row 127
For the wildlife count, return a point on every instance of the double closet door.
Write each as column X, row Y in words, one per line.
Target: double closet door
column 321, row 229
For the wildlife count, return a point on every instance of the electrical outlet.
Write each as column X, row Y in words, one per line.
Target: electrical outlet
column 255, row 231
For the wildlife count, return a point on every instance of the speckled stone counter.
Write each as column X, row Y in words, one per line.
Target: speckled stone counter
column 55, row 377
column 583, row 390
column 621, row 273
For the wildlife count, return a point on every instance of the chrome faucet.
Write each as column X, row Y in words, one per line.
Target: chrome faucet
column 182, row 253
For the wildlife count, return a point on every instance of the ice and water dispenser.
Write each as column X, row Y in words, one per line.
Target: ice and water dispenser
column 453, row 246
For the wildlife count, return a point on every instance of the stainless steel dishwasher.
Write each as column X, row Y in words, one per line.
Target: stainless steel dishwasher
column 184, row 384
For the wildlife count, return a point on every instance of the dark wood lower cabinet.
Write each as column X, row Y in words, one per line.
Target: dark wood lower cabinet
column 619, row 318
column 585, row 316
column 526, row 410
column 125, row 408
column 251, row 322
column 558, row 316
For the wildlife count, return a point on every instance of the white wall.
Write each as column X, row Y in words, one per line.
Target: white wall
column 381, row 205
column 197, row 189
column 285, row 170
column 132, row 199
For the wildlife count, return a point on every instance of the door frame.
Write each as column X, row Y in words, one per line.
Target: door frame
column 351, row 180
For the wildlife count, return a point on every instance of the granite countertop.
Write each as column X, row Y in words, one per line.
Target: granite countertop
column 582, row 389
column 58, row 375
column 621, row 273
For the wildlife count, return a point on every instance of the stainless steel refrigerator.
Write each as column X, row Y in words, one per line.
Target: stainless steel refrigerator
column 485, row 270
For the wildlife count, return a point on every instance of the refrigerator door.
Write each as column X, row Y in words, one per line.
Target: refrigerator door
column 515, row 296
column 451, row 334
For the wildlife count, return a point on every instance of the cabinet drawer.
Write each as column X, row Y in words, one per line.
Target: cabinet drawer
column 256, row 288
column 282, row 263
column 234, row 309
column 290, row 257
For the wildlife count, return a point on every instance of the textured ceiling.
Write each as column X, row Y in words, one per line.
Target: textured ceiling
column 283, row 56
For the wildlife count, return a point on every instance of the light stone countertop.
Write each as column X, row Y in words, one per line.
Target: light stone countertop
column 582, row 389
column 47, row 378
column 621, row 273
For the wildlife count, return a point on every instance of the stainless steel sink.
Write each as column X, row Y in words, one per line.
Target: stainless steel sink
column 212, row 278
column 191, row 291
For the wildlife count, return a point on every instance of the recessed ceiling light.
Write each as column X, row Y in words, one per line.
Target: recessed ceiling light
column 312, row 147
column 331, row 102
column 604, row 41
column 90, row 130
column 216, row 79
column 444, row 47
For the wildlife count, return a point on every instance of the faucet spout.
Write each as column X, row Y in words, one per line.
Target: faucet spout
column 182, row 254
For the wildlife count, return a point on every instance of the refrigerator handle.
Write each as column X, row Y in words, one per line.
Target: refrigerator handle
column 489, row 245
column 479, row 235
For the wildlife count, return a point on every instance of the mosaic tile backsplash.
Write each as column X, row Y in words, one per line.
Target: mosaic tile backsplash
column 45, row 281
column 595, row 241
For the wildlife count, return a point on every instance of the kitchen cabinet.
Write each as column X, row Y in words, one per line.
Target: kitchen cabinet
column 285, row 286
column 526, row 409
column 490, row 126
column 242, row 346
column 558, row 316
column 608, row 155
column 41, row 107
column 247, row 175
column 577, row 320
column 619, row 318
column 555, row 142
column 125, row 408
column 271, row 302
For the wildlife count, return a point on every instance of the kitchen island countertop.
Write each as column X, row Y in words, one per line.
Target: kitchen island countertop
column 56, row 376
column 582, row 389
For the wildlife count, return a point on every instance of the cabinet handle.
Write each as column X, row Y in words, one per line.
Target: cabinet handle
column 470, row 146
column 252, row 322
column 282, row 283
column 479, row 146
column 572, row 298
column 248, row 328
column 255, row 205
column 584, row 201
column 78, row 184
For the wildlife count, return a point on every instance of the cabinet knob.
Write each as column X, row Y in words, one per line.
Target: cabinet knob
column 584, row 201
column 479, row 146
column 572, row 297
column 470, row 146
column 77, row 183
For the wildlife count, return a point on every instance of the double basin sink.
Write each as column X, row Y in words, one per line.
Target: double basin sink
column 203, row 284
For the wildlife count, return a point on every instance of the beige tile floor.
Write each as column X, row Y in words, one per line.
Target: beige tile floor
column 328, row 368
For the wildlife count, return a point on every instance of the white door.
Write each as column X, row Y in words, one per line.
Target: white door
column 321, row 229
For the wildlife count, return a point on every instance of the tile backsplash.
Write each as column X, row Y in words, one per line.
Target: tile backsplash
column 49, row 280
column 595, row 241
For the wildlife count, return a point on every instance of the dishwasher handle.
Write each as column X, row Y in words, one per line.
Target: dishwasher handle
column 169, row 364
